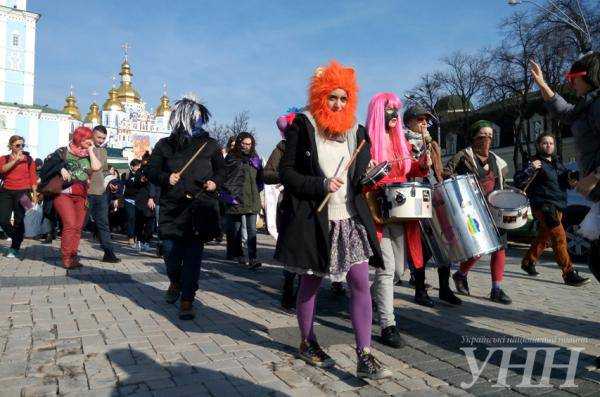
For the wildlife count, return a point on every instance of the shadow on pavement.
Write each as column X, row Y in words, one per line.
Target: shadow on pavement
column 138, row 372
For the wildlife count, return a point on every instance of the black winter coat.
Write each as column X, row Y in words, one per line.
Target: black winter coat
column 304, row 240
column 177, row 209
column 548, row 186
column 133, row 184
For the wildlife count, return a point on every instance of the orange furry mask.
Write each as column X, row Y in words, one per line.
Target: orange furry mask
column 324, row 81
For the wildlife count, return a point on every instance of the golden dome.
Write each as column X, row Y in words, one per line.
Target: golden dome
column 112, row 103
column 71, row 107
column 126, row 93
column 164, row 106
column 93, row 115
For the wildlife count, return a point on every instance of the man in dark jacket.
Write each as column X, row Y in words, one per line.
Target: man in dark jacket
column 546, row 181
column 189, row 212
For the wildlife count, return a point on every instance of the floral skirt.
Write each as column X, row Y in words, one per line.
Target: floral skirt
column 349, row 246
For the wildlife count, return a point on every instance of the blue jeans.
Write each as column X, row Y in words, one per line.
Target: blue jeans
column 183, row 259
column 98, row 210
column 234, row 235
column 130, row 212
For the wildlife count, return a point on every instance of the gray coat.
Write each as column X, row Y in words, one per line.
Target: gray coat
column 584, row 119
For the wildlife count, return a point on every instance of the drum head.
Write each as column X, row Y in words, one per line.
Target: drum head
column 507, row 199
column 376, row 173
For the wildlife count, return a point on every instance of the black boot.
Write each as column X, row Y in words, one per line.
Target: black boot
column 529, row 268
column 421, row 296
column 499, row 296
column 446, row 293
column 391, row 337
column 574, row 279
column 110, row 257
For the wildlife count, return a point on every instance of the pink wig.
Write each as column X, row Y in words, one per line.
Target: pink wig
column 380, row 150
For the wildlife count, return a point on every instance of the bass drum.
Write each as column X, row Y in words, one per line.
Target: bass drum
column 462, row 225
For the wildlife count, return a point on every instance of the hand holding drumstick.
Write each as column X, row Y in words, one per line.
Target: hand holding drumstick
column 335, row 183
column 176, row 176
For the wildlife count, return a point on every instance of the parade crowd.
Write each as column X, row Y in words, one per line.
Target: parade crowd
column 340, row 198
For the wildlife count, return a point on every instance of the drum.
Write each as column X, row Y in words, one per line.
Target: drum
column 462, row 224
column 428, row 234
column 376, row 174
column 409, row 200
column 509, row 208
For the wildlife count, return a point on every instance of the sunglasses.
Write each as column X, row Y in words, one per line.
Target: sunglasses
column 570, row 76
column 19, row 145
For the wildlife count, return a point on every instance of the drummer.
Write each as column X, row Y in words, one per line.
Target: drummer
column 546, row 181
column 389, row 144
column 416, row 119
column 490, row 170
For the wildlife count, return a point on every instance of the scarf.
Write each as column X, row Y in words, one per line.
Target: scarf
column 416, row 140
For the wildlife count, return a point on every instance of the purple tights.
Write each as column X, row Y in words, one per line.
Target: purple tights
column 360, row 304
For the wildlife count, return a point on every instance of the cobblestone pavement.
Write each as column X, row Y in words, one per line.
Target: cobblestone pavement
column 104, row 330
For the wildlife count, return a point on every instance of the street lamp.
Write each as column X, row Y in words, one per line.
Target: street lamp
column 564, row 18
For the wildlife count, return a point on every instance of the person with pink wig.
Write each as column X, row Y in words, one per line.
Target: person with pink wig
column 388, row 143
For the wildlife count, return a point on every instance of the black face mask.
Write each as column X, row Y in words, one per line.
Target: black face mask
column 390, row 114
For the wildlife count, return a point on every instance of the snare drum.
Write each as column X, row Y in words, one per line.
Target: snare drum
column 376, row 174
column 509, row 208
column 409, row 200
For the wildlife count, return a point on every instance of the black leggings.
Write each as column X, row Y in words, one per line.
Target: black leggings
column 9, row 203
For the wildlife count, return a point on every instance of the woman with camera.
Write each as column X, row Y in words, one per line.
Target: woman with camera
column 19, row 179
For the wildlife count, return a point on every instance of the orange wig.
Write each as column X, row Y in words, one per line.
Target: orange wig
column 324, row 81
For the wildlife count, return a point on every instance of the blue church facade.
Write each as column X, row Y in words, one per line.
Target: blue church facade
column 43, row 128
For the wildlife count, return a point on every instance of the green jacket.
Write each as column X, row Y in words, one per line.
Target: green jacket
column 248, row 184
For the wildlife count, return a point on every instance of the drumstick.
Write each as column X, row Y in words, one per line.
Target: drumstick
column 192, row 159
column 346, row 168
column 531, row 180
column 335, row 174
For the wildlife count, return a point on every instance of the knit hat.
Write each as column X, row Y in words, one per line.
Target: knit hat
column 478, row 125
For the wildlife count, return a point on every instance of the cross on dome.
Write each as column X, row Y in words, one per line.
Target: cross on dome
column 126, row 46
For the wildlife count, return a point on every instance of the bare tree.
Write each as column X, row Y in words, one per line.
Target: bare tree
column 464, row 78
column 219, row 132
column 427, row 92
column 583, row 13
column 222, row 132
column 241, row 123
column 509, row 79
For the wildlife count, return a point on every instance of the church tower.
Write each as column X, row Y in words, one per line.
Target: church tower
column 17, row 52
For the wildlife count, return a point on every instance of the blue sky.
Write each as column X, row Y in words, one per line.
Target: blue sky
column 250, row 55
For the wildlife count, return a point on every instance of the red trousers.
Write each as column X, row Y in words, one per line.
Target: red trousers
column 496, row 264
column 414, row 247
column 71, row 209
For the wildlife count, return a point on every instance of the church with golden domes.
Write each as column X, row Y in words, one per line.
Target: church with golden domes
column 132, row 129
